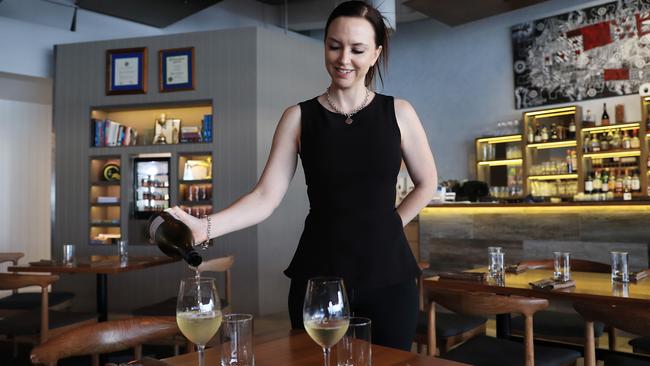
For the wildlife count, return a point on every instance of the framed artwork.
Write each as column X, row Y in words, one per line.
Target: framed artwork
column 126, row 71
column 176, row 69
column 595, row 52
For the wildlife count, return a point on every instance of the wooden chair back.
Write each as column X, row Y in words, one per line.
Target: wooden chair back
column 580, row 265
column 221, row 264
column 631, row 318
column 11, row 257
column 482, row 304
column 105, row 337
column 11, row 281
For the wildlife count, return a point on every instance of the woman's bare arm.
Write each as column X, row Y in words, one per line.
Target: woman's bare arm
column 418, row 159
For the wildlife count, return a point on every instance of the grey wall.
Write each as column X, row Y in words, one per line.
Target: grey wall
column 289, row 70
column 460, row 80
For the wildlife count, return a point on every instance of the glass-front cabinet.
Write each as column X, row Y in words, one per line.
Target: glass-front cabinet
column 150, row 186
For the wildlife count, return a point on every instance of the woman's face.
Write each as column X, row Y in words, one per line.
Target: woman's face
column 350, row 50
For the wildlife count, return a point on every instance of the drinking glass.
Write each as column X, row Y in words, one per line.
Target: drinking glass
column 619, row 266
column 237, row 340
column 495, row 261
column 198, row 311
column 355, row 348
column 68, row 254
column 326, row 313
column 562, row 266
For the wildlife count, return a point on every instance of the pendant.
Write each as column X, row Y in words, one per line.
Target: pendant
column 349, row 120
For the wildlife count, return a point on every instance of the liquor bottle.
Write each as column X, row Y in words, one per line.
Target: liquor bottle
column 574, row 160
column 173, row 238
column 634, row 141
column 554, row 134
column 538, row 134
column 636, row 182
column 571, row 134
column 586, row 146
column 589, row 184
column 627, row 141
column 612, row 181
column 569, row 162
column 619, row 184
column 627, row 181
column 615, row 142
column 531, row 134
column 604, row 142
column 604, row 120
column 605, row 179
column 544, row 134
column 589, row 119
column 595, row 143
column 597, row 183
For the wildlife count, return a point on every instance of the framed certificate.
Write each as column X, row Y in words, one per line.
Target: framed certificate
column 176, row 69
column 126, row 71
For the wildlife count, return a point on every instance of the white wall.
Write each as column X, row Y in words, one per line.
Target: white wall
column 460, row 80
column 25, row 163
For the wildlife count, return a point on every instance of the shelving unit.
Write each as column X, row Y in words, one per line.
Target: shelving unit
column 195, row 183
column 104, row 217
column 500, row 164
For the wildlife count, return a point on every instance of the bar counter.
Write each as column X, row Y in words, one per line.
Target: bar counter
column 455, row 236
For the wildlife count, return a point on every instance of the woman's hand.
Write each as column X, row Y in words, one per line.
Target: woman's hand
column 198, row 226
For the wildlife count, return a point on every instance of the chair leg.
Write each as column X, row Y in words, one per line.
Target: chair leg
column 95, row 360
column 177, row 350
column 138, row 352
column 611, row 338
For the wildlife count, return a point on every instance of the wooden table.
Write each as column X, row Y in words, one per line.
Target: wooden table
column 101, row 266
column 298, row 349
column 590, row 287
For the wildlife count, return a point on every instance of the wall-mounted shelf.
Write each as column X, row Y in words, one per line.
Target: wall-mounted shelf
column 500, row 162
column 613, row 154
column 620, row 126
column 553, row 176
column 553, row 144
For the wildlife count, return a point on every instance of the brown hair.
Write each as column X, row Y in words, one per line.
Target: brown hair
column 361, row 9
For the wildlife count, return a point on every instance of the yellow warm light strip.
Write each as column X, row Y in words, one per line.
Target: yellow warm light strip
column 553, row 176
column 500, row 162
column 551, row 112
column 498, row 139
column 552, row 145
column 646, row 99
column 617, row 154
column 623, row 126
column 445, row 210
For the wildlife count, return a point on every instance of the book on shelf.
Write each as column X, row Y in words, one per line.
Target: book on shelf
column 108, row 199
column 190, row 134
column 206, row 128
column 111, row 133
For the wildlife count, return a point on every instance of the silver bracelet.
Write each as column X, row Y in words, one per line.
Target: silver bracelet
column 206, row 243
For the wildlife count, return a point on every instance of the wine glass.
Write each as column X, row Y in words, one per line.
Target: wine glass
column 326, row 313
column 198, row 311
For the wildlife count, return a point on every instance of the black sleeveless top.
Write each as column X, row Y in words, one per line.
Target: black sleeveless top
column 352, row 230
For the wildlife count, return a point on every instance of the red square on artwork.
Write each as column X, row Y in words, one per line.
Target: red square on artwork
column 642, row 24
column 596, row 35
column 617, row 74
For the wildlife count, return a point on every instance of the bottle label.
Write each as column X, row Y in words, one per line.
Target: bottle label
column 154, row 227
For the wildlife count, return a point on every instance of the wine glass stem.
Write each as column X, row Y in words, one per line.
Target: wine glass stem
column 201, row 350
column 326, row 355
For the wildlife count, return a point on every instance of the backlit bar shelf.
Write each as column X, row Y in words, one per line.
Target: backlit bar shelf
column 553, row 176
column 622, row 127
column 500, row 139
column 613, row 154
column 553, row 145
column 500, row 162
column 552, row 112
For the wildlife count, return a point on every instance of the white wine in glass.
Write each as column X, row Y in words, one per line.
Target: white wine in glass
column 326, row 313
column 198, row 311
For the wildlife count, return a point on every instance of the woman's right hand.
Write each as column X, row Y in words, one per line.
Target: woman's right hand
column 199, row 227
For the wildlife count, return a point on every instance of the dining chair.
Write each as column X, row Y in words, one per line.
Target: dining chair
column 23, row 301
column 451, row 328
column 167, row 307
column 631, row 318
column 37, row 325
column 105, row 337
column 483, row 350
column 564, row 326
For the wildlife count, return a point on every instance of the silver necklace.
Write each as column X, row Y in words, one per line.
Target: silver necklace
column 349, row 119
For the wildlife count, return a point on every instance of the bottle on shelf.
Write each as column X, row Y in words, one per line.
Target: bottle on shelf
column 611, row 183
column 635, row 143
column 626, row 142
column 538, row 134
column 615, row 142
column 569, row 162
column 571, row 133
column 574, row 160
column 604, row 142
column 605, row 181
column 604, row 120
column 618, row 188
column 586, row 146
column 589, row 118
column 554, row 133
column 627, row 181
column 595, row 143
column 597, row 182
column 173, row 237
column 589, row 184
column 531, row 132
column 544, row 134
column 636, row 182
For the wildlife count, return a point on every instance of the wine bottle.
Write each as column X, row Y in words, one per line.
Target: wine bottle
column 605, row 118
column 173, row 238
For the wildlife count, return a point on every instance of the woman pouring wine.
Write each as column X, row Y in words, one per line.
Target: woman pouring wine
column 351, row 142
